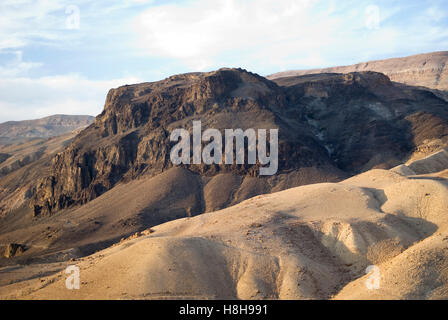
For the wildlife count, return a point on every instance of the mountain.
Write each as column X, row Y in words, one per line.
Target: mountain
column 428, row 70
column 309, row 242
column 330, row 126
column 366, row 121
column 130, row 138
column 19, row 131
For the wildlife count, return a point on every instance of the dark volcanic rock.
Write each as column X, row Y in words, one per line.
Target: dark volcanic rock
column 326, row 122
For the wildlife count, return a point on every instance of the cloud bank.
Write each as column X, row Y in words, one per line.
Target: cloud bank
column 206, row 34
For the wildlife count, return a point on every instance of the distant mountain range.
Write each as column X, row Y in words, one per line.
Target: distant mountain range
column 15, row 131
column 429, row 70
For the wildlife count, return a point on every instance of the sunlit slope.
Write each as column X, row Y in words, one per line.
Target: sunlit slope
column 309, row 242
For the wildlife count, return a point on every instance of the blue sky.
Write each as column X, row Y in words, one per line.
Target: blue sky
column 63, row 56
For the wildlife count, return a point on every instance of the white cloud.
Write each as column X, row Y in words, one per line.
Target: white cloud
column 48, row 22
column 268, row 35
column 25, row 98
column 17, row 67
column 43, row 23
column 199, row 31
column 25, row 21
column 435, row 14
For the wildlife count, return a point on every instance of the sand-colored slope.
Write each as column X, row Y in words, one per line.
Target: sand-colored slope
column 132, row 207
column 420, row 272
column 309, row 242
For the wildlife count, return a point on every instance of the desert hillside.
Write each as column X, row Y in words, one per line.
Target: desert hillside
column 309, row 242
column 428, row 70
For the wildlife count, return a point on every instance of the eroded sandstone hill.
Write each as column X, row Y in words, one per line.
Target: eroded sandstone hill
column 428, row 70
column 330, row 125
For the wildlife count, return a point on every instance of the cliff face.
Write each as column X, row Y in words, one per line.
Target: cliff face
column 429, row 70
column 131, row 136
column 366, row 121
column 329, row 123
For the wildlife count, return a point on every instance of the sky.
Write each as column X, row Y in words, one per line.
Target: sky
column 62, row 57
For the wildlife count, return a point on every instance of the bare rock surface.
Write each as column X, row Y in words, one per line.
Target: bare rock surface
column 13, row 249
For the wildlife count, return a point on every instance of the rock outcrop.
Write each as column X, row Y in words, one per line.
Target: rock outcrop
column 13, row 249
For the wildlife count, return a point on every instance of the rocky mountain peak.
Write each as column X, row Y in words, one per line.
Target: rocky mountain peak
column 330, row 123
column 130, row 137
